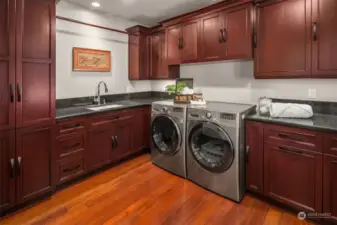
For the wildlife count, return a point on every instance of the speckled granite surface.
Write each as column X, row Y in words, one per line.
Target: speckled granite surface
column 69, row 112
column 317, row 122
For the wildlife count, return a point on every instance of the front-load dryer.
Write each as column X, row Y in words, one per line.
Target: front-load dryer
column 215, row 148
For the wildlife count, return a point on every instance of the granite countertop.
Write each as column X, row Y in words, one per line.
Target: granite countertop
column 65, row 113
column 317, row 122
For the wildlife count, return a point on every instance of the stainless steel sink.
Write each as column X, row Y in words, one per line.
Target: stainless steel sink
column 103, row 107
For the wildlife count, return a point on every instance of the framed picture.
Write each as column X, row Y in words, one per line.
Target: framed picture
column 85, row 59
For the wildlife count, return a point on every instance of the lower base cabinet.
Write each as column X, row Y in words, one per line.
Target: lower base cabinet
column 26, row 157
column 7, row 170
column 293, row 176
column 330, row 186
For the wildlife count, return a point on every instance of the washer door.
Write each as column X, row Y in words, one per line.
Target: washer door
column 211, row 147
column 166, row 135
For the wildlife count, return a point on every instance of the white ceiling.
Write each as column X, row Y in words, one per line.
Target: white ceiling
column 147, row 12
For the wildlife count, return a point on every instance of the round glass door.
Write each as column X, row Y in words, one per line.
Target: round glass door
column 166, row 135
column 211, row 147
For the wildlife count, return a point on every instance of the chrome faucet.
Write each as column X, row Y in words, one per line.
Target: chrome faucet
column 97, row 98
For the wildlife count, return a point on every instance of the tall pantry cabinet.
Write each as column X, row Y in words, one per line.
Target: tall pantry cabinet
column 27, row 99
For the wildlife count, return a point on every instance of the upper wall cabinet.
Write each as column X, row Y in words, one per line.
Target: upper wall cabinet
column 138, row 53
column 324, row 48
column 296, row 38
column 7, row 64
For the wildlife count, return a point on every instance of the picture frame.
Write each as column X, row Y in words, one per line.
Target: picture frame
column 91, row 60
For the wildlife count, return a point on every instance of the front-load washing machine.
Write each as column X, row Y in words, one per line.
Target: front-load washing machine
column 168, row 121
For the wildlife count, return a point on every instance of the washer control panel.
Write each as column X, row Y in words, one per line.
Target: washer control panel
column 208, row 115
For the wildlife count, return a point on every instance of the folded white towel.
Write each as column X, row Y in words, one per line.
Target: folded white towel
column 290, row 110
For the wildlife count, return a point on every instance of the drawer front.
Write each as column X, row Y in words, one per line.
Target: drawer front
column 109, row 118
column 70, row 168
column 68, row 145
column 330, row 144
column 69, row 126
column 298, row 138
column 293, row 177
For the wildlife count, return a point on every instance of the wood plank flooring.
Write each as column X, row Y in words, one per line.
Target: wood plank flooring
column 137, row 192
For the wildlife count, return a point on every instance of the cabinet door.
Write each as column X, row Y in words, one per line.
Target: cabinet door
column 123, row 133
column 237, row 32
column 212, row 43
column 142, row 133
column 34, row 157
column 283, row 39
column 330, row 186
column 324, row 59
column 100, row 146
column 134, row 57
column 35, row 62
column 7, row 170
column 254, row 157
column 154, row 55
column 7, row 64
column 293, row 176
column 190, row 45
column 173, row 37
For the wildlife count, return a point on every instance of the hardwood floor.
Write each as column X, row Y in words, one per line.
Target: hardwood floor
column 137, row 192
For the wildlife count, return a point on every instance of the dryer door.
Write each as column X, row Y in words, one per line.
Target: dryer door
column 211, row 147
column 166, row 136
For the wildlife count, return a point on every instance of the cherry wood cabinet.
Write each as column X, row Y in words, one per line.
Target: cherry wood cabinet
column 330, row 186
column 174, row 41
column 254, row 156
column 293, row 176
column 324, row 45
column 142, row 139
column 154, row 55
column 138, row 53
column 283, row 32
column 100, row 146
column 7, row 170
column 34, row 156
column 237, row 32
column 35, row 62
column 190, row 41
column 7, row 64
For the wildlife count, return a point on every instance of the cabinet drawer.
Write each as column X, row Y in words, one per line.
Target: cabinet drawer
column 109, row 118
column 67, row 145
column 69, row 126
column 293, row 176
column 294, row 137
column 330, row 144
column 70, row 168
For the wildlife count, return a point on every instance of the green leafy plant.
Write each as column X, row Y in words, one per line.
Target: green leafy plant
column 175, row 89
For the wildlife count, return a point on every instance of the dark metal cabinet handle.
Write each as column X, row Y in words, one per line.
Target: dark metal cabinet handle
column 285, row 136
column 116, row 138
column 12, row 92
column 71, row 169
column 113, row 142
column 247, row 154
column 12, row 168
column 19, row 165
column 254, row 37
column 314, row 29
column 72, row 126
column 224, row 35
column 290, row 150
column 72, row 146
column 220, row 36
column 19, row 93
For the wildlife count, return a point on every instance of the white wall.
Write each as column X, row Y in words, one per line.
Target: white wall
column 70, row 84
column 233, row 81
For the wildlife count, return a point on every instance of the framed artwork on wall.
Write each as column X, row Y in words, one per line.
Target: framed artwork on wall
column 92, row 60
